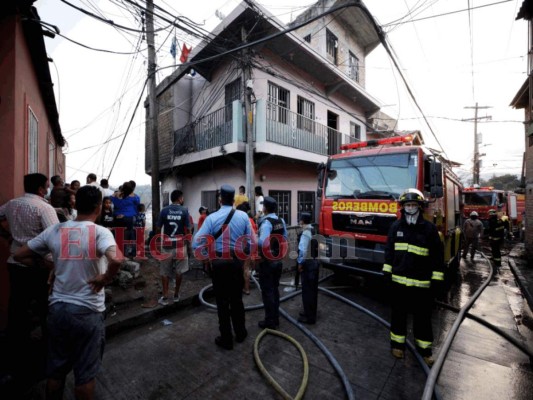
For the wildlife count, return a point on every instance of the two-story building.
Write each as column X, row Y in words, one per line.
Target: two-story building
column 29, row 120
column 524, row 99
column 308, row 97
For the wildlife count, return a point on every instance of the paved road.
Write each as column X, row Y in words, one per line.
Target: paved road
column 180, row 360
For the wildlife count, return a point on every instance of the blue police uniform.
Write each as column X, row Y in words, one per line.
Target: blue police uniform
column 271, row 266
column 227, row 268
column 307, row 253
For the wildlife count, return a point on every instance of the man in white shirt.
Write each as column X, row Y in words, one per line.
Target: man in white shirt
column 75, row 318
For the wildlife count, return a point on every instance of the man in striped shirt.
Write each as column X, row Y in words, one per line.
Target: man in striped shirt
column 27, row 216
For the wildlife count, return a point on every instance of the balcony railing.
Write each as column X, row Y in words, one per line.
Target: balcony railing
column 294, row 130
column 212, row 130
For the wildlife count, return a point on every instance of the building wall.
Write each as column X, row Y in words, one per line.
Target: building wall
column 347, row 43
column 529, row 187
column 19, row 91
column 270, row 176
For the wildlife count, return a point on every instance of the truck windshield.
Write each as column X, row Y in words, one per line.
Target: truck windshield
column 384, row 176
column 480, row 199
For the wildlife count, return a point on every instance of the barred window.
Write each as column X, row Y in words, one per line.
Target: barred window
column 354, row 67
column 283, row 197
column 278, row 103
column 33, row 142
column 306, row 203
column 306, row 114
column 332, row 44
column 210, row 200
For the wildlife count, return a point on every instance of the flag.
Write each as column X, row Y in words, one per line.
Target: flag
column 173, row 46
column 185, row 53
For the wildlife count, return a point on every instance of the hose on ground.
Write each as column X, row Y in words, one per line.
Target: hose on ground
column 493, row 328
column 270, row 379
column 439, row 361
column 410, row 346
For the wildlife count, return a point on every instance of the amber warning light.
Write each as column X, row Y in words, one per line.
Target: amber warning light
column 377, row 142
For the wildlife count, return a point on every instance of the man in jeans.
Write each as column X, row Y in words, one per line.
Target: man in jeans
column 75, row 318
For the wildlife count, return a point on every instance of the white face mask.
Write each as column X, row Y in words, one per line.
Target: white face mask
column 410, row 209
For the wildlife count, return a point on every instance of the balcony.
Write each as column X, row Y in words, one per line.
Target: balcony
column 276, row 130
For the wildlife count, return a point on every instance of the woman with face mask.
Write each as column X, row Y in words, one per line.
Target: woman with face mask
column 414, row 264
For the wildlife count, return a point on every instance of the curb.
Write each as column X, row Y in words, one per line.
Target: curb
column 522, row 282
column 141, row 316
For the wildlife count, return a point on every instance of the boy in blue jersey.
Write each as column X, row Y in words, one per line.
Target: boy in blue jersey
column 174, row 224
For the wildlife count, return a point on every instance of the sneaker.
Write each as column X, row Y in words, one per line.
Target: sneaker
column 225, row 344
column 397, row 353
column 176, row 298
column 429, row 361
column 163, row 301
column 266, row 325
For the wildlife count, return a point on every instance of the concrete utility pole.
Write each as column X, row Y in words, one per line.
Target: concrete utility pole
column 153, row 109
column 248, row 90
column 475, row 171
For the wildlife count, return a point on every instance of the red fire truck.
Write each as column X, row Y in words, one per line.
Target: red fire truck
column 358, row 192
column 484, row 199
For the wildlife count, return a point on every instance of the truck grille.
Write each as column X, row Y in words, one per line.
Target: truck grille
column 375, row 224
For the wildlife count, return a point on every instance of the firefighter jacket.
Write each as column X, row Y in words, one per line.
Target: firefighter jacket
column 414, row 253
column 497, row 227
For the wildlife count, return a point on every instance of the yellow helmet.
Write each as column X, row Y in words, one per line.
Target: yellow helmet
column 412, row 195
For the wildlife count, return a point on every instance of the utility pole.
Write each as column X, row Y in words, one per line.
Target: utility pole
column 248, row 90
column 153, row 109
column 477, row 161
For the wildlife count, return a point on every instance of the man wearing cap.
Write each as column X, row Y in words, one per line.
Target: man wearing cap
column 308, row 267
column 272, row 248
column 223, row 235
column 496, row 235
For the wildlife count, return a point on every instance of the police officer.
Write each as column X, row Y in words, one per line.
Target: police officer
column 228, row 231
column 496, row 234
column 414, row 264
column 308, row 267
column 272, row 248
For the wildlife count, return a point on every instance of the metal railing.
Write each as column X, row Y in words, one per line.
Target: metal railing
column 294, row 130
column 211, row 130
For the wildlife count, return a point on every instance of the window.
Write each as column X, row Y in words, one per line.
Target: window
column 283, row 197
column 307, row 38
column 232, row 93
column 278, row 103
column 355, row 132
column 354, row 67
column 210, row 200
column 332, row 43
column 306, row 114
column 51, row 159
column 33, row 142
column 306, row 203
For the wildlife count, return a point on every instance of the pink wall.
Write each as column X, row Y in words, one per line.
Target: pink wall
column 18, row 90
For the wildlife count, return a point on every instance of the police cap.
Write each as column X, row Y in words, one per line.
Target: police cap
column 305, row 217
column 270, row 204
column 227, row 193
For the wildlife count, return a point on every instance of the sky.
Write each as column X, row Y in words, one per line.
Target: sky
column 452, row 59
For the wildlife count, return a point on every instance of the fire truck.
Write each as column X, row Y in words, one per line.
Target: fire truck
column 484, row 199
column 358, row 193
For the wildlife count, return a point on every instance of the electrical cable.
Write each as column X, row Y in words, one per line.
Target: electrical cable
column 127, row 129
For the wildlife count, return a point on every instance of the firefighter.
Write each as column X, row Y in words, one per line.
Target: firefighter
column 473, row 229
column 414, row 265
column 497, row 228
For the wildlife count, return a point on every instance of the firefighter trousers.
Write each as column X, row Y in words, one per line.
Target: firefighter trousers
column 496, row 248
column 419, row 302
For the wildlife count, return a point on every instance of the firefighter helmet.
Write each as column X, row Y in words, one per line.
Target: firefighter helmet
column 474, row 214
column 412, row 195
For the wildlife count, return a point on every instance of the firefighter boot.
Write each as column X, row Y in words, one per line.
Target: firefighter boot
column 429, row 361
column 397, row 353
